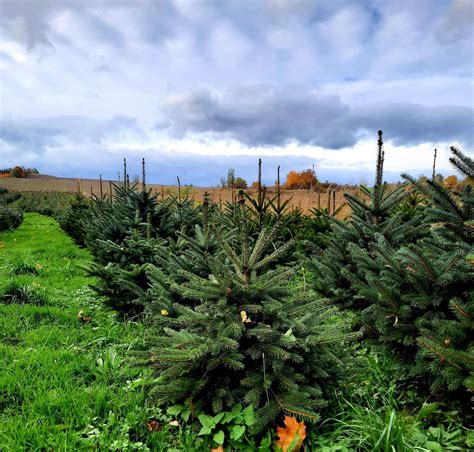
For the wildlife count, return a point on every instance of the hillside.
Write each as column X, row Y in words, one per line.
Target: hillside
column 303, row 199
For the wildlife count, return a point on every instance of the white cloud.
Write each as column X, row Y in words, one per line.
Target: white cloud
column 104, row 59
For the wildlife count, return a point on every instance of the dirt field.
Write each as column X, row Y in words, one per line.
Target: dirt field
column 303, row 199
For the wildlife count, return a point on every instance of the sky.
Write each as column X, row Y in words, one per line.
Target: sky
column 197, row 87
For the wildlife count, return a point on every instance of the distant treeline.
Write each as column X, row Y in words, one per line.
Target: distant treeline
column 18, row 171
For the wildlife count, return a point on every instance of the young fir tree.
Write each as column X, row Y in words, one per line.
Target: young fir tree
column 130, row 230
column 419, row 297
column 375, row 215
column 239, row 333
column 76, row 217
column 447, row 343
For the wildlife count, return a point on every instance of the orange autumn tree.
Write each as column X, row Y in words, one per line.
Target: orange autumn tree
column 305, row 179
column 18, row 171
column 451, row 182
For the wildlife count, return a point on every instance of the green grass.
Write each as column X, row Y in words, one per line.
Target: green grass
column 375, row 412
column 64, row 384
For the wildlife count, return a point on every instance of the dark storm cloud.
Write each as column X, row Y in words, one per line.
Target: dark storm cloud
column 408, row 123
column 258, row 116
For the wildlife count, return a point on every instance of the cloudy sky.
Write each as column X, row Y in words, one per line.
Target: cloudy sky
column 199, row 86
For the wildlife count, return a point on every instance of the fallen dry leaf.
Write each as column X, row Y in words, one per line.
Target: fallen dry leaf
column 287, row 434
column 218, row 449
column 153, row 425
column 82, row 319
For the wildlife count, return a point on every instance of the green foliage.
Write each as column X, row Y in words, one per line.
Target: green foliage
column 10, row 218
column 24, row 265
column 49, row 204
column 462, row 162
column 414, row 205
column 237, row 331
column 67, row 385
column 225, row 318
column 234, row 319
column 7, row 197
column 76, row 217
column 377, row 214
column 127, row 233
column 228, row 428
column 408, row 277
column 19, row 293
column 375, row 411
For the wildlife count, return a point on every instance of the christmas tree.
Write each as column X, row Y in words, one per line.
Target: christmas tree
column 375, row 215
column 243, row 331
column 418, row 297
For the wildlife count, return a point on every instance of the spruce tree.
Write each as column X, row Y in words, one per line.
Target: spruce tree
column 418, row 298
column 239, row 333
column 376, row 214
column 76, row 217
column 447, row 343
column 129, row 231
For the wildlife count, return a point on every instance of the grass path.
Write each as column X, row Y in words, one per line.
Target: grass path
column 64, row 384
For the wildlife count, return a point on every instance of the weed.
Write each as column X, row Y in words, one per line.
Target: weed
column 19, row 293
column 373, row 412
column 25, row 266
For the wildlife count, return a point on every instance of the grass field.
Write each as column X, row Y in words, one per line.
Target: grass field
column 64, row 384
